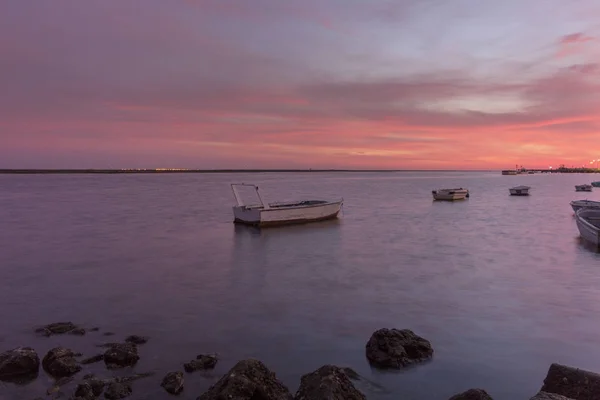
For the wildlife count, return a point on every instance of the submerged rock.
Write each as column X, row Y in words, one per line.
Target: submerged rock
column 248, row 380
column 58, row 384
column 572, row 382
column 173, row 382
column 327, row 383
column 60, row 362
column 121, row 355
column 93, row 359
column 77, row 332
column 58, row 328
column 21, row 362
column 472, row 394
column 202, row 361
column 397, row 348
column 116, row 390
column 137, row 339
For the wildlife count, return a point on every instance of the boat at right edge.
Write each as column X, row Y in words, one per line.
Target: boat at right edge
column 588, row 223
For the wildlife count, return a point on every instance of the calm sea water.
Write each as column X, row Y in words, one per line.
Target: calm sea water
column 500, row 285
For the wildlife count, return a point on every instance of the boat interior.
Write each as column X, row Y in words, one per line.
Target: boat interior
column 298, row 203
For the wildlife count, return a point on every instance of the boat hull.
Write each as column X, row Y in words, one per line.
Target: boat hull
column 596, row 184
column 583, row 188
column 286, row 215
column 450, row 194
column 519, row 192
column 587, row 230
column 577, row 205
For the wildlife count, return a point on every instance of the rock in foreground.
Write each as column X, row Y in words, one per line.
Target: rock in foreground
column 202, row 361
column 21, row 362
column 472, row 394
column 60, row 362
column 248, row 380
column 120, row 355
column 90, row 388
column 397, row 348
column 58, row 328
column 549, row 396
column 572, row 382
column 116, row 391
column 327, row 383
column 135, row 339
column 173, row 382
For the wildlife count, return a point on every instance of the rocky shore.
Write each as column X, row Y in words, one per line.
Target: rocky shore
column 249, row 379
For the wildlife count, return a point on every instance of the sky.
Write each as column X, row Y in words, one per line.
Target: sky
column 373, row 84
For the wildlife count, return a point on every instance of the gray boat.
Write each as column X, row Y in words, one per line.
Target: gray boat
column 577, row 205
column 588, row 223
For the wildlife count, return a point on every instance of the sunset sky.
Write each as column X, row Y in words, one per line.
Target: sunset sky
column 415, row 84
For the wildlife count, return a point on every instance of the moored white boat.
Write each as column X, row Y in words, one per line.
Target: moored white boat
column 450, row 194
column 519, row 190
column 588, row 223
column 577, row 205
column 282, row 213
column 583, row 188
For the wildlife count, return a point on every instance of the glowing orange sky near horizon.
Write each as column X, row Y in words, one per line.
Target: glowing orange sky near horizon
column 219, row 84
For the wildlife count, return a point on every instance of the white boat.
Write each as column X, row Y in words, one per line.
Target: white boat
column 577, row 205
column 282, row 213
column 519, row 191
column 588, row 223
column 450, row 194
column 583, row 188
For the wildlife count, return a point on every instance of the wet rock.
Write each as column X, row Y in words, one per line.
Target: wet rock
column 173, row 382
column 135, row 339
column 248, row 380
column 93, row 359
column 572, row 382
column 472, row 394
column 397, row 348
column 549, row 396
column 116, row 390
column 94, row 329
column 121, row 355
column 90, row 388
column 131, row 378
column 77, row 332
column 60, row 362
column 21, row 362
column 352, row 374
column 56, row 328
column 202, row 361
column 327, row 383
column 108, row 334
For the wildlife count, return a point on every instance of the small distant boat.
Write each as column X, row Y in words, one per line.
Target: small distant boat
column 450, row 194
column 509, row 172
column 583, row 188
column 588, row 223
column 519, row 191
column 577, row 205
column 282, row 213
column 596, row 184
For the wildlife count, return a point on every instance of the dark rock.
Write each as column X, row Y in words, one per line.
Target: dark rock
column 397, row 348
column 59, row 362
column 202, row 361
column 57, row 328
column 173, row 382
column 109, row 344
column 352, row 374
column 121, row 355
column 90, row 388
column 116, row 391
column 472, row 394
column 77, row 332
column 93, row 359
column 549, row 396
column 572, row 382
column 108, row 333
column 131, row 378
column 136, row 339
column 18, row 363
column 327, row 383
column 248, row 380
column 94, row 329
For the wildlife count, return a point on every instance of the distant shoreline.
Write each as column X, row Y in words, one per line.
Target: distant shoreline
column 213, row 171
